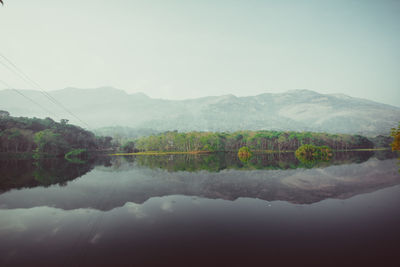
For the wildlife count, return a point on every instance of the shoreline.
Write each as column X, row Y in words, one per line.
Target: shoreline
column 28, row 155
column 160, row 153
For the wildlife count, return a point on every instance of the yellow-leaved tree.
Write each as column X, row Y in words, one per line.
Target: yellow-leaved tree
column 396, row 136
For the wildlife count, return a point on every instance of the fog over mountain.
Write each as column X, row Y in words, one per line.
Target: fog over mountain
column 297, row 110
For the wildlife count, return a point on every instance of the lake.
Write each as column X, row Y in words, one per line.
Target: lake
column 201, row 210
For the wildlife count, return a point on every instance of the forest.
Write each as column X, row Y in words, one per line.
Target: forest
column 279, row 141
column 45, row 136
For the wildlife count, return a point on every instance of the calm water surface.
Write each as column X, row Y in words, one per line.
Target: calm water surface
column 208, row 210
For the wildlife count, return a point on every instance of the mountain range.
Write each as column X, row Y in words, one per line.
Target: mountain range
column 296, row 110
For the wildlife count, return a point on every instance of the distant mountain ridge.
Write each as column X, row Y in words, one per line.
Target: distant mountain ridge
column 296, row 110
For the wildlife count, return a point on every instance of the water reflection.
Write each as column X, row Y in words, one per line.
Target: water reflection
column 268, row 177
column 200, row 211
column 187, row 231
column 267, row 161
column 21, row 173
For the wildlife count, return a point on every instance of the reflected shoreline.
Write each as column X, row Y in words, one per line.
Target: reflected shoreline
column 28, row 173
column 111, row 182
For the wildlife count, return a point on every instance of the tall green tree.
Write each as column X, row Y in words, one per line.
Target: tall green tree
column 49, row 142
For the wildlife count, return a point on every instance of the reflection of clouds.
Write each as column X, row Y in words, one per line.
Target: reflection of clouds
column 95, row 238
column 21, row 220
column 196, row 201
column 167, row 206
column 135, row 209
column 9, row 223
column 55, row 230
column 84, row 211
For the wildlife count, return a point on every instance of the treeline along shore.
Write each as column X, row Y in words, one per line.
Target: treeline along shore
column 278, row 141
column 48, row 137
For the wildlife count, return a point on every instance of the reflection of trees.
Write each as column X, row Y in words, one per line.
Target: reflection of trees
column 310, row 155
column 58, row 171
column 17, row 173
column 212, row 162
column 267, row 161
column 310, row 161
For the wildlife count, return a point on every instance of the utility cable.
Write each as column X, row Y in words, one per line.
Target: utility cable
column 31, row 82
column 27, row 97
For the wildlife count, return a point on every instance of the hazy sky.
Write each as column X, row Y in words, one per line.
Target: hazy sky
column 184, row 49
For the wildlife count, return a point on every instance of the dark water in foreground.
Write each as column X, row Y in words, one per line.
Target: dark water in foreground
column 209, row 210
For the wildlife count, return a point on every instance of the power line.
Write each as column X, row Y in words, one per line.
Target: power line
column 31, row 82
column 27, row 97
column 25, row 77
column 19, row 92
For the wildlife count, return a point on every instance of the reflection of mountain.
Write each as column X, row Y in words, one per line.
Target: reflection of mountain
column 105, row 190
column 18, row 174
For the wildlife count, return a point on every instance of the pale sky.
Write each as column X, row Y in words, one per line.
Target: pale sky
column 185, row 49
